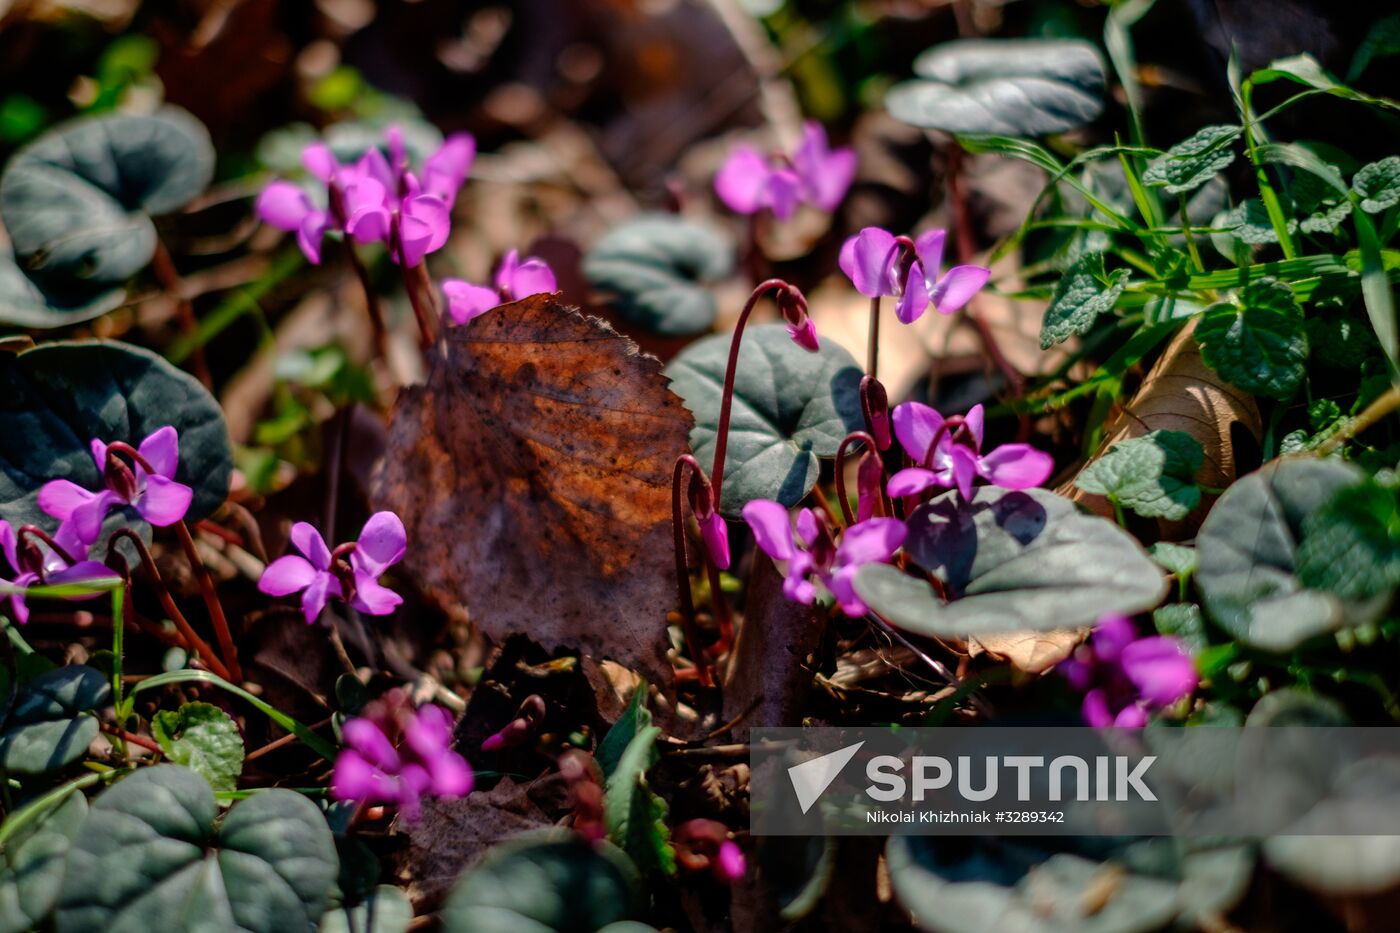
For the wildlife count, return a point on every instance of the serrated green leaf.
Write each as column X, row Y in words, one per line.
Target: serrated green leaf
column 1378, row 185
column 1084, row 292
column 50, row 723
column 1174, row 558
column 1193, row 162
column 1351, row 546
column 1258, row 340
column 31, row 865
column 632, row 721
column 654, row 268
column 1248, row 222
column 791, row 407
column 148, row 857
column 634, row 814
column 1320, row 207
column 204, row 739
column 1153, row 475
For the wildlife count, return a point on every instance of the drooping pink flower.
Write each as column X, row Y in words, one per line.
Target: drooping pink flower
column 376, row 199
column 515, row 279
column 320, row 573
column 748, row 183
column 396, row 755
column 814, row 553
column 729, row 864
column 1124, row 677
column 881, row 265
column 153, row 492
column 949, row 454
column 37, row 563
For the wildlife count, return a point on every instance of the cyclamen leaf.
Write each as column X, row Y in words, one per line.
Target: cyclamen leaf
column 385, row 910
column 1154, row 475
column 1184, row 621
column 634, row 814
column 546, row 881
column 653, row 269
column 1083, row 293
column 149, row 857
column 1378, row 185
column 1012, row 560
column 1010, row 87
column 1258, row 341
column 1248, row 547
column 24, row 304
column 77, row 202
column 1190, row 164
column 204, row 739
column 791, row 407
column 1351, row 546
column 50, row 723
column 31, row 865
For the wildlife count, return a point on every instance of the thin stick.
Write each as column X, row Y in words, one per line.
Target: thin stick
column 1371, row 414
column 211, row 602
column 687, row 605
column 174, row 286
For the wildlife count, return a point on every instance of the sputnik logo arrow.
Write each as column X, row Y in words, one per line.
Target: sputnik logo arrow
column 811, row 778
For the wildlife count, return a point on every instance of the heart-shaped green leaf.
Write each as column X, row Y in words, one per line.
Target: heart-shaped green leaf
column 790, row 408
column 1084, row 292
column 1247, row 222
column 57, row 397
column 633, row 813
column 50, row 723
column 1248, row 549
column 385, row 910
column 1008, row 87
column 25, row 304
column 653, row 271
column 1193, row 162
column 1153, row 475
column 1320, row 207
column 31, row 865
column 1378, row 185
column 1258, row 340
column 78, row 201
column 204, row 739
column 542, row 882
column 148, row 857
column 971, row 885
column 1011, row 561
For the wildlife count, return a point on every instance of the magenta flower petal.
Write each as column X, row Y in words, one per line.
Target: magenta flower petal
column 911, row 482
column 19, row 608
column 85, row 524
column 355, row 779
column 374, row 166
column 796, row 586
column 964, row 467
column 1095, row 709
column 928, row 247
column 367, row 211
column 310, row 234
column 367, row 738
column 466, row 301
column 161, row 449
column 59, row 498
column 372, row 598
column 742, row 180
column 729, row 864
column 868, row 259
column 805, row 336
column 323, row 586
column 381, row 544
column 772, row 528
column 957, row 288
column 286, row 575
column 531, row 277
column 715, row 533
column 826, row 175
column 1016, row 466
column 164, row 502
column 9, row 544
column 868, row 476
column 873, row 541
column 782, row 193
column 1111, row 635
column 283, row 205
column 98, row 448
column 913, row 301
column 308, row 540
column 1132, row 716
column 807, row 527
column 916, row 425
column 446, row 170
column 975, row 422
column 318, row 159
column 841, row 583
column 423, row 228
column 1160, row 668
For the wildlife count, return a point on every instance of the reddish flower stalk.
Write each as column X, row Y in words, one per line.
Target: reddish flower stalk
column 880, row 505
column 686, row 606
column 376, row 316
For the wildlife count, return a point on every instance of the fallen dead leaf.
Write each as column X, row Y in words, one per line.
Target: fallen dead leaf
column 536, row 461
column 1032, row 652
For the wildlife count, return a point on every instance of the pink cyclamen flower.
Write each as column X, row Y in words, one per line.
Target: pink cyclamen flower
column 148, row 486
column 37, row 563
column 729, row 864
column 376, row 199
column 748, row 183
column 515, row 279
column 1124, row 677
column 813, row 552
column 881, row 265
column 321, row 573
column 398, row 756
column 949, row 454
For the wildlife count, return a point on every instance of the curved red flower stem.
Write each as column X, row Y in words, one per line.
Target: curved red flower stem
column 727, row 397
column 376, row 316
column 872, row 346
column 427, row 329
column 840, row 468
column 35, row 531
column 686, row 604
column 212, row 605
column 720, row 607
column 192, row 640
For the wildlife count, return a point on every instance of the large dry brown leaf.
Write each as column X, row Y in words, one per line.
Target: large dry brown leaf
column 532, row 473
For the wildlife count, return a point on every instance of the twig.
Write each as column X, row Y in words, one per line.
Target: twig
column 169, row 278
column 211, row 601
